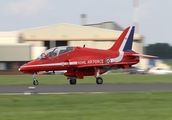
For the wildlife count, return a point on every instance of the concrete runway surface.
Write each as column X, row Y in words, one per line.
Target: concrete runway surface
column 45, row 89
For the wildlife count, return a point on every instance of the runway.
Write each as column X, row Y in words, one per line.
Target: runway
column 80, row 88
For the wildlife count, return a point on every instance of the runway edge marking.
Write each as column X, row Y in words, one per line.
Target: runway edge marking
column 61, row 93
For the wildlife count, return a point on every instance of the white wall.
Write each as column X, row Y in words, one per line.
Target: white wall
column 37, row 51
column 36, row 43
column 9, row 37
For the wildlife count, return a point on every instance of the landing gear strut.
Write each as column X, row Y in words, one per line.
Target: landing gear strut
column 35, row 81
column 99, row 80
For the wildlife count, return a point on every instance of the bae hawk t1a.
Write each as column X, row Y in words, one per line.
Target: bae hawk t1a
column 82, row 61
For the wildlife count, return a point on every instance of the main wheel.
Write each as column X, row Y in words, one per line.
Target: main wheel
column 72, row 81
column 99, row 80
column 35, row 82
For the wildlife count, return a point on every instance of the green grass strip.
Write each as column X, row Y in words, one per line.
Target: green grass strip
column 108, row 79
column 150, row 105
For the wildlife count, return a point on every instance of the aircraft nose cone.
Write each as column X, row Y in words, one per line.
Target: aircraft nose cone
column 19, row 69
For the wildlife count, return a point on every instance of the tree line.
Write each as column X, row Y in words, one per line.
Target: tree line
column 162, row 50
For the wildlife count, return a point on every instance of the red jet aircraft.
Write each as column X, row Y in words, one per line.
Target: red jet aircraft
column 82, row 61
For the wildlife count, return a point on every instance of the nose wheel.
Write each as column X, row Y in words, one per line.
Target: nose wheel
column 35, row 82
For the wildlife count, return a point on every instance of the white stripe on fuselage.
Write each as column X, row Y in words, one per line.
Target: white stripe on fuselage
column 119, row 58
column 51, row 64
column 73, row 63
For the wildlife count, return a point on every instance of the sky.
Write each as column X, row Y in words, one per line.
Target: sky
column 154, row 16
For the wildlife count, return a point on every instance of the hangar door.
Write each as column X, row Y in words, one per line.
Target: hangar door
column 50, row 44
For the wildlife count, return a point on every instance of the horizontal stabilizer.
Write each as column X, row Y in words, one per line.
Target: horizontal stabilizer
column 143, row 55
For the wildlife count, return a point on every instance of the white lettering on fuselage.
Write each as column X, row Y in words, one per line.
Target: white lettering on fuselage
column 81, row 62
column 100, row 61
column 96, row 61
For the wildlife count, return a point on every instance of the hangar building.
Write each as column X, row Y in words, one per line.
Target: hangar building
column 74, row 35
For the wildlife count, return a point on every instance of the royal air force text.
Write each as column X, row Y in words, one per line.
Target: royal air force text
column 97, row 61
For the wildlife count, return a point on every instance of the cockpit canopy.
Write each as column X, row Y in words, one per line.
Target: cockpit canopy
column 55, row 51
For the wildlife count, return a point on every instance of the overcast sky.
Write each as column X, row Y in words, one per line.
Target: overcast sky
column 154, row 16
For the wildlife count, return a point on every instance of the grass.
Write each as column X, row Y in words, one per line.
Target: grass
column 108, row 79
column 107, row 106
column 169, row 63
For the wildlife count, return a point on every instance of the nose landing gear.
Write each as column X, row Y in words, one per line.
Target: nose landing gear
column 35, row 81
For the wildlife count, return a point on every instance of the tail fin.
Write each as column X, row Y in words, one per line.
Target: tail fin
column 125, row 40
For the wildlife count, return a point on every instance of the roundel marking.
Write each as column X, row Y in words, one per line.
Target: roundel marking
column 108, row 61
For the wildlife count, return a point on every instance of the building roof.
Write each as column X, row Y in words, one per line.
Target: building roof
column 67, row 32
column 107, row 25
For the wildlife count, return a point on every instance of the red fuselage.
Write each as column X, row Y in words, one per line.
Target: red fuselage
column 81, row 60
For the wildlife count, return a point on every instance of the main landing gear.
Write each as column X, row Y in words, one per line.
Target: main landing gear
column 99, row 80
column 72, row 81
column 35, row 81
